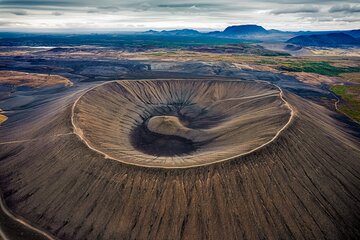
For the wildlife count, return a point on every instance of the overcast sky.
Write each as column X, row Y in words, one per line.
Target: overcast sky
column 138, row 15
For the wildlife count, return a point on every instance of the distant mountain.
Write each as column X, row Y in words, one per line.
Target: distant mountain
column 245, row 30
column 181, row 32
column 151, row 32
column 325, row 40
column 354, row 33
column 258, row 33
column 232, row 31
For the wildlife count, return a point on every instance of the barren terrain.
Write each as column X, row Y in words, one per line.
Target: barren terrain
column 31, row 79
column 177, row 145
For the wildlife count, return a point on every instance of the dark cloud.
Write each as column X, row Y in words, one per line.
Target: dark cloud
column 19, row 12
column 37, row 3
column 57, row 13
column 300, row 9
column 93, row 11
column 345, row 9
column 108, row 9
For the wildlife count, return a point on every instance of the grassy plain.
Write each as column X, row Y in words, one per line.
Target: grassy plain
column 350, row 96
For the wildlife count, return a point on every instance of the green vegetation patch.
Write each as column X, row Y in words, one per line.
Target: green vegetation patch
column 323, row 68
column 350, row 100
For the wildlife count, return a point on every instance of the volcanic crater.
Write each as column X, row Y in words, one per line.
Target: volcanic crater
column 177, row 123
column 297, row 177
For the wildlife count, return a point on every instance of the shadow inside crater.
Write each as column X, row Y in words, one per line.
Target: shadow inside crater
column 158, row 144
column 190, row 115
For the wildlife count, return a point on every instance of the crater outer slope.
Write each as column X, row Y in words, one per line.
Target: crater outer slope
column 305, row 184
column 179, row 124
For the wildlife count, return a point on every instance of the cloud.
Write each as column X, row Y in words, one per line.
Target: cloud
column 11, row 23
column 108, row 9
column 37, row 3
column 57, row 13
column 300, row 9
column 5, row 23
column 306, row 1
column 170, row 14
column 93, row 11
column 345, row 9
column 144, row 6
column 188, row 5
column 19, row 12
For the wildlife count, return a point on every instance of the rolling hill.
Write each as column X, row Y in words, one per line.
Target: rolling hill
column 328, row 40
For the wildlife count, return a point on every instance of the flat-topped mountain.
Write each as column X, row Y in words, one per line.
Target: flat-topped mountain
column 245, row 30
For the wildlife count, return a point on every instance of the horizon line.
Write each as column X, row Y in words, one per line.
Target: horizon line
column 142, row 30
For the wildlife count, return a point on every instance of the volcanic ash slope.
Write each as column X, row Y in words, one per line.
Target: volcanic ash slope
column 123, row 163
